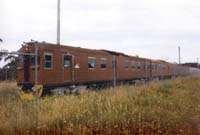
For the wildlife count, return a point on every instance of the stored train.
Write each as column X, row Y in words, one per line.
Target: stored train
column 63, row 68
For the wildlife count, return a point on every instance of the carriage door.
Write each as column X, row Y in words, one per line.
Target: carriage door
column 26, row 68
column 67, row 65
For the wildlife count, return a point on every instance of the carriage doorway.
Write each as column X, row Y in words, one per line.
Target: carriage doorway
column 67, row 65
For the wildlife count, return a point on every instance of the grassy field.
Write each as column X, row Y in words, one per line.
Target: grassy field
column 159, row 108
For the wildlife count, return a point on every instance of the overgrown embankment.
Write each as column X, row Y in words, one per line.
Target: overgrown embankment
column 167, row 107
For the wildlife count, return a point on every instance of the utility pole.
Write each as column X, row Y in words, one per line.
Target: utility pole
column 179, row 54
column 58, row 22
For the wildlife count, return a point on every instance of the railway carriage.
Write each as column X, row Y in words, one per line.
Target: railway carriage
column 66, row 67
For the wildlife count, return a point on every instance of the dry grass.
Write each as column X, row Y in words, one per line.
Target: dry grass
column 168, row 107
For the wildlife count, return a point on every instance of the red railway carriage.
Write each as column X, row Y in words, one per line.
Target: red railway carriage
column 65, row 66
column 128, row 67
column 163, row 69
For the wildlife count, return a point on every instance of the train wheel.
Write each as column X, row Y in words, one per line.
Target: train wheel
column 30, row 94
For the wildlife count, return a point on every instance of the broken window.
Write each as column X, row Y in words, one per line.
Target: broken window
column 103, row 62
column 91, row 62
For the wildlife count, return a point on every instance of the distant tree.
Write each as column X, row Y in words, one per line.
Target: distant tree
column 1, row 40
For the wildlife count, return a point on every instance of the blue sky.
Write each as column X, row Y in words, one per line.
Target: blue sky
column 148, row 28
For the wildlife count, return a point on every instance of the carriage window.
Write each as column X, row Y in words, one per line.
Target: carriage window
column 160, row 67
column 164, row 67
column 103, row 62
column 152, row 66
column 142, row 65
column 148, row 66
column 138, row 65
column 133, row 65
column 126, row 65
column 156, row 67
column 48, row 60
column 67, row 61
column 91, row 62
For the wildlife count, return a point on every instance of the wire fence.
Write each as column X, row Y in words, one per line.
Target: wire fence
column 8, row 66
column 8, row 74
column 11, row 62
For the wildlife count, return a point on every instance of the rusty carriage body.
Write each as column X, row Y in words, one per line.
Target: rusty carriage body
column 62, row 66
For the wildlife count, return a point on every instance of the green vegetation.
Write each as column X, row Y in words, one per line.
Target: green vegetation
column 167, row 107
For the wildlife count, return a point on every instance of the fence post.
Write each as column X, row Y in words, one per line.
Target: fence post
column 146, row 74
column 114, row 71
column 6, row 75
column 36, row 87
